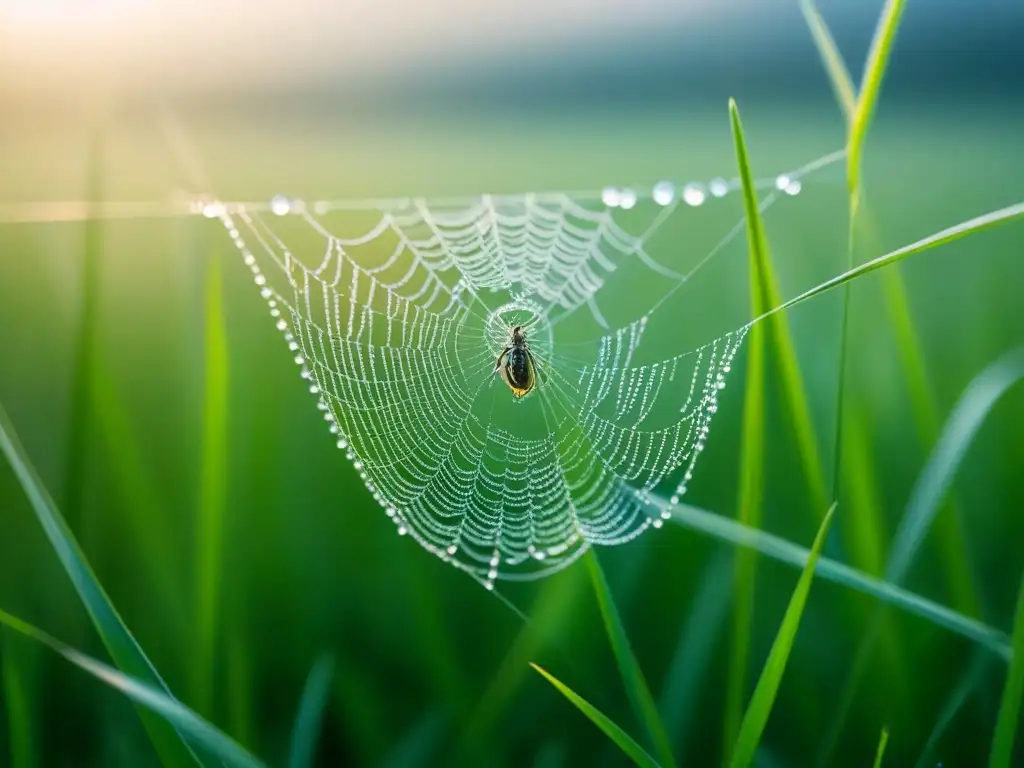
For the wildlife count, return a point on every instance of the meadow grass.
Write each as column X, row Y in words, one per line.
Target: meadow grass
column 221, row 634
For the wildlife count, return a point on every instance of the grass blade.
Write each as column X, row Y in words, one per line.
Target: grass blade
column 763, row 699
column 15, row 699
column 870, row 87
column 751, row 490
column 968, row 684
column 212, row 492
column 622, row 739
column 882, row 741
column 839, row 77
column 629, row 669
column 925, row 409
column 932, row 485
column 697, row 642
column 310, row 714
column 765, row 293
column 183, row 719
column 122, row 646
column 1009, row 709
column 777, row 548
column 948, row 235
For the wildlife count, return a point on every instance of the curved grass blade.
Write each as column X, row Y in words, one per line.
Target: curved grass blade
column 761, row 702
column 882, row 741
column 1010, row 707
column 632, row 677
column 777, row 548
column 933, row 484
column 310, row 715
column 948, row 235
column 183, row 719
column 119, row 641
column 925, row 502
column 622, row 739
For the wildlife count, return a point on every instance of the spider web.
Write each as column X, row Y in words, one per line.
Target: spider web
column 395, row 311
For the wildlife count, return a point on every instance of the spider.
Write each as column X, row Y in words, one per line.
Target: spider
column 515, row 364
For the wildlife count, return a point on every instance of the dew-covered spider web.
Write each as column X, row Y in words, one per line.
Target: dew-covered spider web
column 396, row 310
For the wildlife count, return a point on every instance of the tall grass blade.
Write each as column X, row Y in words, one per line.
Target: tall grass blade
column 154, row 700
column 1009, row 719
column 926, row 499
column 922, row 397
column 622, row 739
column 15, row 698
column 692, row 659
column 629, row 669
column 310, row 714
column 783, row 551
column 882, row 741
column 974, row 406
column 751, row 470
column 870, row 87
column 124, row 650
column 761, row 702
column 954, row 703
column 842, row 85
column 948, row 235
column 212, row 493
column 765, row 293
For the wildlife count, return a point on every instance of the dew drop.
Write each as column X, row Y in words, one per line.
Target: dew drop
column 664, row 192
column 718, row 187
column 627, row 199
column 693, row 194
column 610, row 197
column 279, row 205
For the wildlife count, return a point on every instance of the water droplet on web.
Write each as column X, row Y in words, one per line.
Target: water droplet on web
column 693, row 194
column 719, row 187
column 280, row 205
column 610, row 197
column 343, row 444
column 627, row 199
column 664, row 192
column 782, row 181
column 793, row 188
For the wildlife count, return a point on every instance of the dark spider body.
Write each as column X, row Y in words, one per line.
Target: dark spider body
column 515, row 364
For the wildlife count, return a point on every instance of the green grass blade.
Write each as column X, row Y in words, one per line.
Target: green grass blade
column 124, row 650
column 14, row 696
column 160, row 703
column 622, row 739
column 839, row 77
column 697, row 642
column 783, row 551
column 870, row 87
column 1010, row 707
column 882, row 741
column 212, row 492
column 971, row 411
column 629, row 669
column 969, row 683
column 309, row 717
column 765, row 293
column 925, row 409
column 751, row 490
column 948, row 235
column 761, row 702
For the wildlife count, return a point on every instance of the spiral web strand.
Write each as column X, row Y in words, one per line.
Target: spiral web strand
column 396, row 323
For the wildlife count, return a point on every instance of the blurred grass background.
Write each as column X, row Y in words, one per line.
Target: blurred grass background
column 158, row 404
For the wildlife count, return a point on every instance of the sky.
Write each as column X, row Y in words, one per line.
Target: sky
column 283, row 45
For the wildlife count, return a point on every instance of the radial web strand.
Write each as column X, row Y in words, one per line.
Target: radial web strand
column 397, row 310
